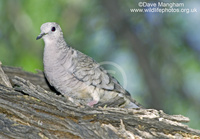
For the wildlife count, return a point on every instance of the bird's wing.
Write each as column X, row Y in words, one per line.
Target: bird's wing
column 87, row 70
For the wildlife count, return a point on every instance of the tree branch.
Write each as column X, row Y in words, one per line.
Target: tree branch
column 30, row 110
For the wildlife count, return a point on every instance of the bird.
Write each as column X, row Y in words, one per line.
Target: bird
column 77, row 76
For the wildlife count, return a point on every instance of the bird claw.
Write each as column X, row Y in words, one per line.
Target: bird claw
column 92, row 103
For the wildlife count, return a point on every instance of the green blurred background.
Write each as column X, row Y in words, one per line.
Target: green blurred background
column 159, row 52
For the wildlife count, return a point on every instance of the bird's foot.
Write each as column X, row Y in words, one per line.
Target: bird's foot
column 92, row 103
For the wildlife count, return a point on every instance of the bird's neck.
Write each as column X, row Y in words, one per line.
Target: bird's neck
column 54, row 48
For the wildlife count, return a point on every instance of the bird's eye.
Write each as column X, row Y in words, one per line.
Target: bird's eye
column 53, row 29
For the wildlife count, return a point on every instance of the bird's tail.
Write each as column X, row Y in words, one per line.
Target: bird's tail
column 131, row 103
column 119, row 100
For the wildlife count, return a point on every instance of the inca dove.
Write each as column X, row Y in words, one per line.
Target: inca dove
column 76, row 75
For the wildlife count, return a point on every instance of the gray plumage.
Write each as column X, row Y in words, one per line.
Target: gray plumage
column 76, row 75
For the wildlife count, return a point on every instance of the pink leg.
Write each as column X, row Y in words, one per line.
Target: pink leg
column 91, row 103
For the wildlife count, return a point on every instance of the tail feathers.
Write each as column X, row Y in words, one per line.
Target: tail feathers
column 130, row 102
column 131, row 105
column 120, row 100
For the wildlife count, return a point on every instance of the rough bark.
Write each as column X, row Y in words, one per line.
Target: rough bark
column 29, row 109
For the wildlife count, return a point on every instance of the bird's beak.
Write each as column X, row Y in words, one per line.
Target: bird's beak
column 40, row 36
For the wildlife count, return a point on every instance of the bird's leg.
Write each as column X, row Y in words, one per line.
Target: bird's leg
column 92, row 103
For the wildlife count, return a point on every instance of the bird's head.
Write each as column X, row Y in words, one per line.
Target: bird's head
column 50, row 31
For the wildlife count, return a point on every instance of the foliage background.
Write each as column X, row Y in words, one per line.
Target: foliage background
column 159, row 53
